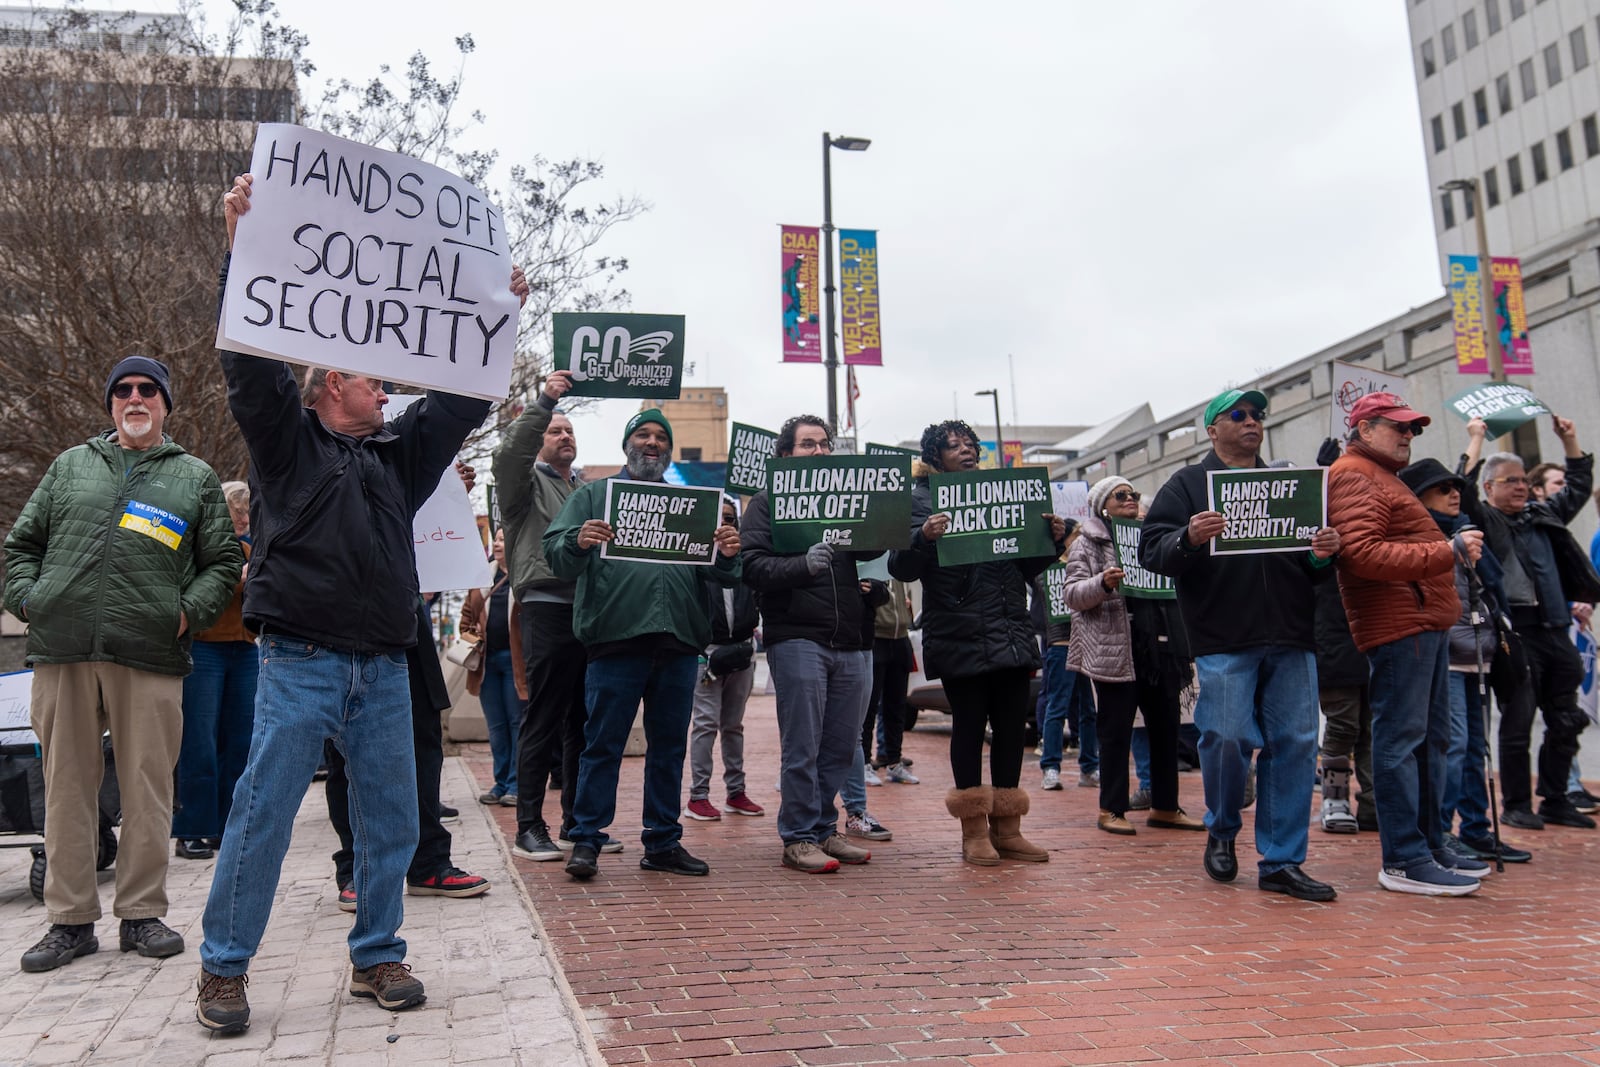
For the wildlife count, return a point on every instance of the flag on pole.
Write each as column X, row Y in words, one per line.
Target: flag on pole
column 851, row 392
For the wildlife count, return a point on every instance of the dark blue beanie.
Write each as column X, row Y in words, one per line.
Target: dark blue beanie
column 153, row 369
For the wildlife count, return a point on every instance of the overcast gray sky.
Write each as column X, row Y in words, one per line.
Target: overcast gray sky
column 1136, row 201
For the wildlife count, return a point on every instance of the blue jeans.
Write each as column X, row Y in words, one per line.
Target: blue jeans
column 853, row 791
column 1140, row 746
column 219, row 700
column 1056, row 693
column 305, row 694
column 1465, row 791
column 613, row 688
column 502, row 713
column 1410, row 736
column 822, row 699
column 1264, row 700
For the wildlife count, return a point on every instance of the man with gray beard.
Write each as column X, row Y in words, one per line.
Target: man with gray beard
column 642, row 626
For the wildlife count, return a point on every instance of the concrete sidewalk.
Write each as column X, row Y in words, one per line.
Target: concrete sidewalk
column 494, row 993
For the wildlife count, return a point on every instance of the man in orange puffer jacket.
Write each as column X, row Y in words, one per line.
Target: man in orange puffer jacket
column 1397, row 580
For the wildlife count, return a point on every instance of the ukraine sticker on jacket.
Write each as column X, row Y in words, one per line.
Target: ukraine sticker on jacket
column 653, row 522
column 155, row 522
column 1268, row 509
column 994, row 514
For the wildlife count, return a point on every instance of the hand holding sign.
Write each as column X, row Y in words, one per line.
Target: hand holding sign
column 235, row 202
column 1203, row 526
column 1325, row 543
column 558, row 385
column 1058, row 527
column 1468, row 545
column 1111, row 577
column 594, row 532
column 727, row 539
column 934, row 526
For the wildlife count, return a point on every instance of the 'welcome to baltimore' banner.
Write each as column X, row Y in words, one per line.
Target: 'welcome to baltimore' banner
column 862, row 503
column 994, row 514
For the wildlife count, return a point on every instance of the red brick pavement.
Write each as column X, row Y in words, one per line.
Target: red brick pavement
column 1119, row 950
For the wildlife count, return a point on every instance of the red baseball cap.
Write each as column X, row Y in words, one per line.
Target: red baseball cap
column 1385, row 406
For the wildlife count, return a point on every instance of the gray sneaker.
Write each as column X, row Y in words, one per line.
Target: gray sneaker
column 805, row 856
column 843, row 851
column 1139, row 800
column 1052, row 779
column 1089, row 780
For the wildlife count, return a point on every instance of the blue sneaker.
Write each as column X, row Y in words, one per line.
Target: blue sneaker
column 1455, row 857
column 1426, row 878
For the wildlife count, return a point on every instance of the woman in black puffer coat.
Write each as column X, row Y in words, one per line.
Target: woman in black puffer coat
column 978, row 639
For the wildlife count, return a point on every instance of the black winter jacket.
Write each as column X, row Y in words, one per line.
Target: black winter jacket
column 1229, row 603
column 333, row 559
column 827, row 609
column 745, row 615
column 1340, row 665
column 974, row 616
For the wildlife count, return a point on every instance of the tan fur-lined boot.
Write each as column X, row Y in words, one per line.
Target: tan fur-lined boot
column 972, row 807
column 1005, row 827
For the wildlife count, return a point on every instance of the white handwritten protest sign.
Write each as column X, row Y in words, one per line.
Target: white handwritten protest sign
column 370, row 262
column 1070, row 500
column 1351, row 382
column 445, row 531
column 16, row 693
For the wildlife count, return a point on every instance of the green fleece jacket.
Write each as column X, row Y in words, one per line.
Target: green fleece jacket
column 529, row 496
column 619, row 599
column 111, row 547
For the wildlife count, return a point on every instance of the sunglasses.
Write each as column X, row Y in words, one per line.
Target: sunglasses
column 1240, row 414
column 1414, row 428
column 1122, row 496
column 148, row 390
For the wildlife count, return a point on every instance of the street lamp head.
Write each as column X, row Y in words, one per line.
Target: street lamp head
column 1465, row 185
column 851, row 144
column 986, row 392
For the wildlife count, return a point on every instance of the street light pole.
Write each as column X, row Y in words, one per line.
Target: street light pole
column 1491, row 319
column 999, row 433
column 831, row 360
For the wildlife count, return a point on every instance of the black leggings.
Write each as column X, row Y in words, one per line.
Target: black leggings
column 1117, row 702
column 997, row 701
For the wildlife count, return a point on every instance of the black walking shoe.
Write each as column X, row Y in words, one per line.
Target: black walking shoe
column 151, row 937
column 62, row 943
column 1221, row 864
column 193, row 848
column 1562, row 813
column 222, row 1006
column 674, row 860
column 1522, row 819
column 585, row 862
column 1296, row 883
column 1484, row 849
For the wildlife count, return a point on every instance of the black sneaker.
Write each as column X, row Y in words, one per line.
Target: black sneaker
column 1584, row 801
column 1522, row 819
column 62, row 943
column 585, row 862
column 674, row 860
column 536, row 845
column 390, row 984
column 447, row 813
column 1484, row 849
column 1562, row 813
column 151, row 937
column 193, row 848
column 222, row 1006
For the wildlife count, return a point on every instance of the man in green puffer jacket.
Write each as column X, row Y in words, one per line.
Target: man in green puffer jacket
column 124, row 550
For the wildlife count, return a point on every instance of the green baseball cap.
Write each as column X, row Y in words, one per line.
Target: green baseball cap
column 1232, row 399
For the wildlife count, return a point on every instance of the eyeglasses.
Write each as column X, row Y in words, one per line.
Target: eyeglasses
column 1510, row 479
column 148, row 390
column 1240, row 414
column 1122, row 496
column 1414, row 428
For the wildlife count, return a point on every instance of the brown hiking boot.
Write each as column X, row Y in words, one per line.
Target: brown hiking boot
column 222, row 1007
column 389, row 983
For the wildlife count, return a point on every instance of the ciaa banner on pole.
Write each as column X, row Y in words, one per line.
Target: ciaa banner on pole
column 858, row 298
column 370, row 262
column 802, row 335
column 444, row 531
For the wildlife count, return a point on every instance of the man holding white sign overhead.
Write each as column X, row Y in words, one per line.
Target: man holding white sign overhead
column 642, row 621
column 333, row 593
column 1249, row 620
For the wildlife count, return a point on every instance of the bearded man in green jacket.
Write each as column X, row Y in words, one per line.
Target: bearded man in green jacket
column 122, row 553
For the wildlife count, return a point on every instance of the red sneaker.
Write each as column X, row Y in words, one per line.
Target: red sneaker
column 450, row 882
column 743, row 805
column 702, row 810
column 347, row 898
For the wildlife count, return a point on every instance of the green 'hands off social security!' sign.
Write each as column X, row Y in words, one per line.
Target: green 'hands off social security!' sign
column 862, row 503
column 1268, row 509
column 658, row 523
column 1136, row 581
column 749, row 451
column 994, row 514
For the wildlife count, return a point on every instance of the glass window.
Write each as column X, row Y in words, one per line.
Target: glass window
column 1519, row 8
column 1480, row 107
column 1529, row 88
column 1491, row 13
column 1564, row 149
column 1458, row 119
column 1514, row 174
column 1502, row 93
column 1491, row 187
column 1552, row 65
column 1437, row 124
column 1469, row 30
column 1468, row 201
column 1428, row 67
column 1448, row 206
column 1591, row 137
column 1447, row 40
column 1541, row 170
column 1578, row 42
